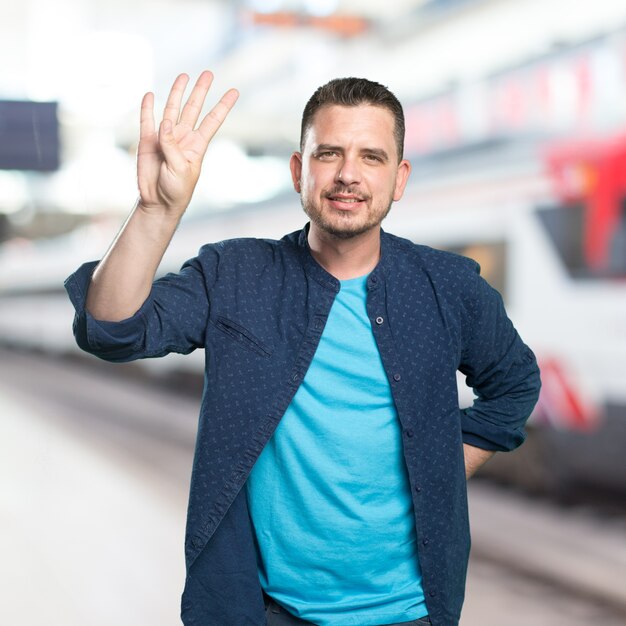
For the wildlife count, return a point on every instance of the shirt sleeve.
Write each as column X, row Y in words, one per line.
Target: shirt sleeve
column 172, row 319
column 501, row 369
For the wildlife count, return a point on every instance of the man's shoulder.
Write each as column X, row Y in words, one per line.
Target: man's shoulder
column 432, row 260
column 453, row 277
column 244, row 247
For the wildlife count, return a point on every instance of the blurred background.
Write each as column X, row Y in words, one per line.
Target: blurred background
column 516, row 128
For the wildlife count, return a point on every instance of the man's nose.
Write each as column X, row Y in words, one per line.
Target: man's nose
column 348, row 171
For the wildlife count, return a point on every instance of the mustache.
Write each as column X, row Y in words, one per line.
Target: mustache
column 346, row 189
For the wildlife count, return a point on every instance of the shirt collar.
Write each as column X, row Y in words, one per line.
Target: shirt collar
column 327, row 280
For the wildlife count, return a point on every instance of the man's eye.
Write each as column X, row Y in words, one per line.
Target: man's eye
column 327, row 154
column 373, row 157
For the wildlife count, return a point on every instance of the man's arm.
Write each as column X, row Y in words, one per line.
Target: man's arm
column 502, row 371
column 474, row 458
column 168, row 168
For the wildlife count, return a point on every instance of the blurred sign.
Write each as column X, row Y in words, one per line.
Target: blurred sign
column 579, row 90
column 29, row 135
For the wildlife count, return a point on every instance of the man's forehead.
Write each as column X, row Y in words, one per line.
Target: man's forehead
column 336, row 118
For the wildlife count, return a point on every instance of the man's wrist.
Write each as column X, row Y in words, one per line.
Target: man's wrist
column 475, row 458
column 158, row 211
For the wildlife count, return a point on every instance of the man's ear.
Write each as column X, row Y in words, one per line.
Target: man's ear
column 295, row 165
column 402, row 177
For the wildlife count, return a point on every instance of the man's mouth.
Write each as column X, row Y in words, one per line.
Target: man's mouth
column 342, row 200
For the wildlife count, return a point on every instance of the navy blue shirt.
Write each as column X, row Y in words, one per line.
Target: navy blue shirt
column 258, row 308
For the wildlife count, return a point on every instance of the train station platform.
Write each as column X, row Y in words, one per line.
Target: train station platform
column 86, row 536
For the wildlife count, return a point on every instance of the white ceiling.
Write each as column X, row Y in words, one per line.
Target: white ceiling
column 97, row 57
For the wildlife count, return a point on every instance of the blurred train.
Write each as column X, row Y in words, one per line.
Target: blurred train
column 548, row 227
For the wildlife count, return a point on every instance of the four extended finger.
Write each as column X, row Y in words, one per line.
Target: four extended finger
column 214, row 118
column 172, row 106
column 195, row 102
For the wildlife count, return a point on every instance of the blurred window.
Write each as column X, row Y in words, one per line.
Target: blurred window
column 568, row 229
column 492, row 258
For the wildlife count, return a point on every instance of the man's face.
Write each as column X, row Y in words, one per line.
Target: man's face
column 348, row 174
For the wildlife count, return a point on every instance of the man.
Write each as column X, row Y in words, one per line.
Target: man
column 329, row 481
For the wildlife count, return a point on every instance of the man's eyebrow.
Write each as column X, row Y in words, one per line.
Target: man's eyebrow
column 326, row 147
column 379, row 152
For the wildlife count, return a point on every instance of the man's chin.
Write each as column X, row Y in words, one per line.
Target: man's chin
column 345, row 231
column 347, row 226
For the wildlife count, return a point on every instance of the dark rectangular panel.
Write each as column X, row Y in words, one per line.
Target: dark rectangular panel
column 29, row 135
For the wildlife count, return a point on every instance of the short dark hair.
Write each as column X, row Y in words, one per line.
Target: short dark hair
column 352, row 92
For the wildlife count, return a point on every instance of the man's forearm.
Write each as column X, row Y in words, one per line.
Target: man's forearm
column 123, row 279
column 474, row 458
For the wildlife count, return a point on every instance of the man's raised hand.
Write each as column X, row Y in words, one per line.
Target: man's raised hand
column 169, row 161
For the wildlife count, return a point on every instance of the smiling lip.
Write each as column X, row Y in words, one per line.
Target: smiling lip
column 344, row 201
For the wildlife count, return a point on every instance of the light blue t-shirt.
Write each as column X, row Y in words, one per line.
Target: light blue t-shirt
column 329, row 496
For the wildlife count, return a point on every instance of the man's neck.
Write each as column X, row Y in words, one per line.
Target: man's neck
column 345, row 258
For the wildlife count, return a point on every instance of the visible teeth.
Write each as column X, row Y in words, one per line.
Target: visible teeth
column 346, row 200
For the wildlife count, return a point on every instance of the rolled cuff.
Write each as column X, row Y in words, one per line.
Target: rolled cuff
column 490, row 436
column 113, row 341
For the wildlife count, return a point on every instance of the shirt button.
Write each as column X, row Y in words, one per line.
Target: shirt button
column 374, row 279
column 397, row 377
column 425, row 542
column 379, row 320
column 409, row 432
column 418, row 488
column 432, row 593
column 319, row 323
column 196, row 542
column 295, row 377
